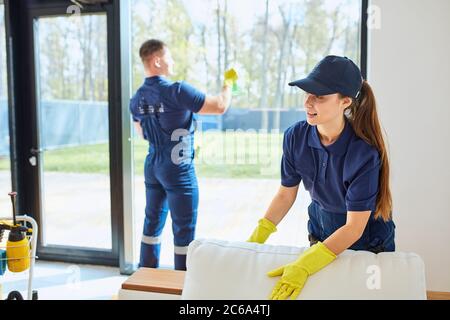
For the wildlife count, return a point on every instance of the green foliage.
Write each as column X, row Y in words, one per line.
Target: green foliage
column 315, row 30
column 72, row 58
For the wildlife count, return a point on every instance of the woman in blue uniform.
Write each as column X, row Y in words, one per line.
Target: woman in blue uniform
column 340, row 155
column 163, row 113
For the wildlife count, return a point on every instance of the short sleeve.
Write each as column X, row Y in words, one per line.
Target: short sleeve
column 134, row 108
column 363, row 189
column 289, row 175
column 188, row 97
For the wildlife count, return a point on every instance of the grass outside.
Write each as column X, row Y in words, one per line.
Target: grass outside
column 4, row 164
column 218, row 155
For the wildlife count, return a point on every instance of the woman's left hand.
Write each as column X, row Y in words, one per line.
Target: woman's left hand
column 295, row 274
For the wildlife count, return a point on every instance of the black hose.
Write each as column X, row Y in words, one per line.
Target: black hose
column 14, row 295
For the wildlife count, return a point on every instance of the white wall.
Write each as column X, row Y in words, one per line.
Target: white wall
column 409, row 69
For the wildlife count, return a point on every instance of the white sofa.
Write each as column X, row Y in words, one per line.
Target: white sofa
column 225, row 270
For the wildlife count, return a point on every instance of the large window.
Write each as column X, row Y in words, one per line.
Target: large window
column 73, row 107
column 5, row 169
column 270, row 43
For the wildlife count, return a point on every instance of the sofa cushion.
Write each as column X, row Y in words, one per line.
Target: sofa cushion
column 219, row 269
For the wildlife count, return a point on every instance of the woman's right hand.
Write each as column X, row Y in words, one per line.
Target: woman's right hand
column 264, row 229
column 279, row 207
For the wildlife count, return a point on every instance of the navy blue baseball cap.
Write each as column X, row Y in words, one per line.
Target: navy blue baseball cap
column 333, row 74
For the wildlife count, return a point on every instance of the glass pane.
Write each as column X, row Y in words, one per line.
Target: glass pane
column 5, row 165
column 238, row 154
column 73, row 130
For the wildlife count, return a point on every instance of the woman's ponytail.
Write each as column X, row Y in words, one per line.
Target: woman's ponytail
column 364, row 118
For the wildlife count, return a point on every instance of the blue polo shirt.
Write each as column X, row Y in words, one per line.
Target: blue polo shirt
column 340, row 177
column 179, row 101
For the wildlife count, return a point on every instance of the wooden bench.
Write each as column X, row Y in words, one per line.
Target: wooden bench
column 147, row 283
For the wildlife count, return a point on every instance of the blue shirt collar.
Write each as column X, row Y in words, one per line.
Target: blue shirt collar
column 154, row 79
column 339, row 147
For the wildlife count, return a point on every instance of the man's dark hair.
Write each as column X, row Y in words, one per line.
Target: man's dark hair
column 149, row 47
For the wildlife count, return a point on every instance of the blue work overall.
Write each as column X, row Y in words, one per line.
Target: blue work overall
column 378, row 236
column 170, row 184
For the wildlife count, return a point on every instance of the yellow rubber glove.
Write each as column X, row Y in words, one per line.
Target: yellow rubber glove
column 295, row 274
column 264, row 229
column 230, row 79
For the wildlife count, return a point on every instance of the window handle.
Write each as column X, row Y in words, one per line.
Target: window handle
column 36, row 152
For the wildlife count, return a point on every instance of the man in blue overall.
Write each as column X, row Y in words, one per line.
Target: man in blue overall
column 163, row 114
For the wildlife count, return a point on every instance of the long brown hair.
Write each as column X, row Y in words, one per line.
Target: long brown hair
column 363, row 116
